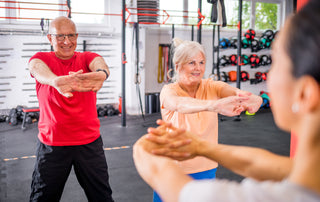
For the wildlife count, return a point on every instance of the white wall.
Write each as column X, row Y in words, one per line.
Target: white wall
column 18, row 88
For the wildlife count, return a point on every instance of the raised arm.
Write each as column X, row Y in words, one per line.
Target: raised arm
column 251, row 105
column 228, row 90
column 41, row 72
column 161, row 173
column 65, row 85
column 229, row 106
column 99, row 63
column 99, row 73
column 246, row 161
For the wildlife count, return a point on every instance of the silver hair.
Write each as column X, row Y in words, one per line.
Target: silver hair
column 183, row 51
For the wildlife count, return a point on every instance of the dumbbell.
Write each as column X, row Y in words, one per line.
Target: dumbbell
column 233, row 59
column 3, row 118
column 245, row 60
column 101, row 111
column 265, row 101
column 224, row 61
column 13, row 120
column 261, row 75
column 234, row 42
column 245, row 43
column 254, row 61
column 28, row 120
column 109, row 110
column 265, row 60
column 266, row 39
column 250, row 34
column 255, row 47
column 224, row 76
column 224, row 43
column 244, row 76
column 13, row 112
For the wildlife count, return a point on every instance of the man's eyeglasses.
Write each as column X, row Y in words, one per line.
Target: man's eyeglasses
column 61, row 37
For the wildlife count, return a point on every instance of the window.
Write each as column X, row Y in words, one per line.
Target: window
column 193, row 9
column 206, row 9
column 174, row 8
column 232, row 13
column 32, row 11
column 85, row 12
column 37, row 9
column 185, row 12
column 267, row 16
column 256, row 14
column 2, row 11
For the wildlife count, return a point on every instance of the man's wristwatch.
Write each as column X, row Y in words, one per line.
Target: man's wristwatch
column 103, row 70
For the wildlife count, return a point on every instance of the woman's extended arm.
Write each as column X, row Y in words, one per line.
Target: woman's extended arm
column 251, row 162
column 229, row 106
column 251, row 105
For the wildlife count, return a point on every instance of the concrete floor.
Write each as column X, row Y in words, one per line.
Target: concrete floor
column 17, row 149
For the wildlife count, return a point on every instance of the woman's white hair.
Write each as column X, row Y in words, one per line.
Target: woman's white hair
column 183, row 51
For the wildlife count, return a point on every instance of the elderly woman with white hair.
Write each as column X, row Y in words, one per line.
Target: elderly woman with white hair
column 193, row 103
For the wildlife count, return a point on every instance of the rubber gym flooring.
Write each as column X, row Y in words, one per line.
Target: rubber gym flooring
column 17, row 149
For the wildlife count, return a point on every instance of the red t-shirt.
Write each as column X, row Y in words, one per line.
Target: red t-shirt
column 66, row 121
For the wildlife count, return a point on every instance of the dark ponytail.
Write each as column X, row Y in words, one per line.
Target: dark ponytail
column 303, row 42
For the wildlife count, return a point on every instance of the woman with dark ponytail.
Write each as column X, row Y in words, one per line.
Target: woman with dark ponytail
column 294, row 85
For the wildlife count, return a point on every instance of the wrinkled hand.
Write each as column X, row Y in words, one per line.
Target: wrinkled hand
column 232, row 105
column 172, row 142
column 78, row 81
column 91, row 79
column 254, row 102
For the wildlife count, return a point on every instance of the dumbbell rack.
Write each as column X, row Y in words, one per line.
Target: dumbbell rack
column 245, row 85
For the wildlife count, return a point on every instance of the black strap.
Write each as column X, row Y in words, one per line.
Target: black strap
column 214, row 11
column 218, row 55
column 223, row 11
column 170, row 62
column 69, row 7
column 42, row 24
column 213, row 48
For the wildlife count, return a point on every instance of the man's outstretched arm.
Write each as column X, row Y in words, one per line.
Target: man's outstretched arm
column 65, row 85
